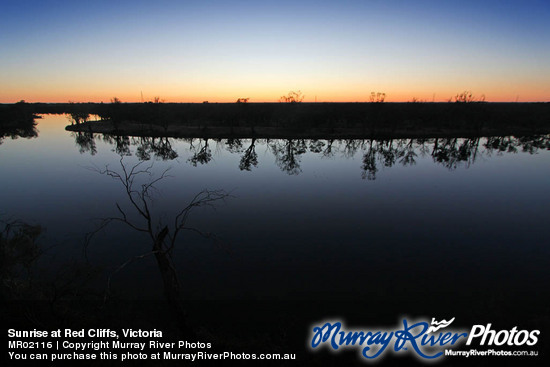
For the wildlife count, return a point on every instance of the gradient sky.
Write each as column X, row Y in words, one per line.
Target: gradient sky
column 190, row 51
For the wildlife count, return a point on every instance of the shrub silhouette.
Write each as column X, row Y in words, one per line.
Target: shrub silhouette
column 377, row 97
column 292, row 97
column 467, row 97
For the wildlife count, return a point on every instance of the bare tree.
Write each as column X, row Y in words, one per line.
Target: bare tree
column 377, row 97
column 292, row 97
column 163, row 237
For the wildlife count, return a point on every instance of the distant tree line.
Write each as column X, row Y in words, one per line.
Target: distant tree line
column 474, row 118
column 17, row 120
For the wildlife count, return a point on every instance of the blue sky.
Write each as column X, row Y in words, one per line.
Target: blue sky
column 220, row 50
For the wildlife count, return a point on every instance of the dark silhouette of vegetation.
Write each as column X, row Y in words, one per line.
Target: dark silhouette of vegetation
column 160, row 147
column 85, row 142
column 450, row 152
column 396, row 119
column 163, row 237
column 243, row 100
column 234, row 145
column 22, row 279
column 377, row 97
column 323, row 119
column 202, row 153
column 121, row 144
column 249, row 158
column 417, row 100
column 17, row 121
column 292, row 97
column 18, row 253
column 78, row 114
column 467, row 97
column 288, row 154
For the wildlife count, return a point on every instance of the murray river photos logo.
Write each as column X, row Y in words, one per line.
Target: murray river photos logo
column 427, row 341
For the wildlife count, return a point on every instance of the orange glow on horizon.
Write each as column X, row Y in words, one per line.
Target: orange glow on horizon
column 320, row 93
column 308, row 99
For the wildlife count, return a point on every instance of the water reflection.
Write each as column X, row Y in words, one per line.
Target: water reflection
column 23, row 276
column 85, row 142
column 17, row 121
column 451, row 153
column 288, row 154
column 19, row 249
column 317, row 236
column 201, row 152
column 250, row 158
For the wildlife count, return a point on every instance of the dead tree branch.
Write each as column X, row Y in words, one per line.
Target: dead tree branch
column 163, row 238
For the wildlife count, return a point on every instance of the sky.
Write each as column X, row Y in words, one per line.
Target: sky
column 332, row 51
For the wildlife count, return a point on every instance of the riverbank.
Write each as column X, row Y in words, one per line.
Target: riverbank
column 410, row 130
column 298, row 120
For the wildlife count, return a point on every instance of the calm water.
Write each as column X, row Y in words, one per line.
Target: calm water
column 305, row 220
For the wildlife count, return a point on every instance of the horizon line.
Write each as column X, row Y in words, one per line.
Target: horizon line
column 271, row 102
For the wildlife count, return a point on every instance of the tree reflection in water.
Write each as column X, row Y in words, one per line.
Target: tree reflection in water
column 85, row 142
column 451, row 153
column 201, row 153
column 250, row 158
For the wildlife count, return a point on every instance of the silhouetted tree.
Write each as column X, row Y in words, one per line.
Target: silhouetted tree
column 377, row 97
column 163, row 237
column 77, row 118
column 292, row 97
column 78, row 113
column 17, row 120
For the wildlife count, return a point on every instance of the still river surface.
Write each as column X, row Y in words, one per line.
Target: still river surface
column 306, row 219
